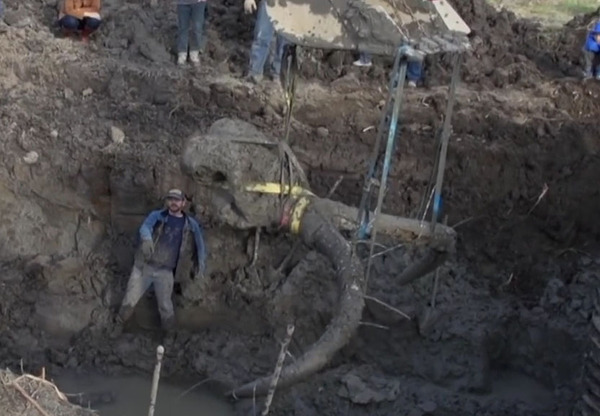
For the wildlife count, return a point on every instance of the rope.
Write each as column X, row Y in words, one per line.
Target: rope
column 287, row 78
column 444, row 139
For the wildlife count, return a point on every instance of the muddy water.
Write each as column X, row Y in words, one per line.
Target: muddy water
column 130, row 396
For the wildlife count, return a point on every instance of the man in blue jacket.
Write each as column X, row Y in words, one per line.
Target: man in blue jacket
column 591, row 52
column 170, row 239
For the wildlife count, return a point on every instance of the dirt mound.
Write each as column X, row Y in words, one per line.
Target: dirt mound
column 29, row 395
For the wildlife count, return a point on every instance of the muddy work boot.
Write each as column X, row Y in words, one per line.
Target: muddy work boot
column 124, row 314
column 168, row 331
column 181, row 58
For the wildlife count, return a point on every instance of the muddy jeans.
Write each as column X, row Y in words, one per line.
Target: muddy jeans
column 190, row 16
column 263, row 35
column 589, row 59
column 139, row 281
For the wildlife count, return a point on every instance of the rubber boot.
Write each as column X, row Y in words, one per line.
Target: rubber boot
column 181, row 58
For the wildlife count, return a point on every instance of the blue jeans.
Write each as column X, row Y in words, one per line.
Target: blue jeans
column 1, row 9
column 140, row 280
column 190, row 16
column 414, row 70
column 72, row 23
column 263, row 35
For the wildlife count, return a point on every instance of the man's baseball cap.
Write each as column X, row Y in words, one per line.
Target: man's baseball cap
column 175, row 194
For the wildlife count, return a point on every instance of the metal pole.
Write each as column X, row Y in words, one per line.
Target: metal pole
column 160, row 351
column 445, row 137
column 387, row 159
column 363, row 208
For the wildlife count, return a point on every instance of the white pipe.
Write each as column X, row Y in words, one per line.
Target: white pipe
column 160, row 351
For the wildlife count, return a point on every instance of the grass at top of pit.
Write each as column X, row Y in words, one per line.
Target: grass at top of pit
column 550, row 13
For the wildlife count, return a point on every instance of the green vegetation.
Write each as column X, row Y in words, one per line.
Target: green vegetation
column 548, row 12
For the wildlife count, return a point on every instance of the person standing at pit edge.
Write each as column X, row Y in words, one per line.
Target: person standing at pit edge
column 190, row 18
column 79, row 16
column 169, row 239
column 263, row 35
column 591, row 53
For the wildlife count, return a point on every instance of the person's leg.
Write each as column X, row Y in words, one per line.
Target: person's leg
column 184, row 13
column 138, row 283
column 90, row 25
column 365, row 59
column 596, row 65
column 280, row 45
column 69, row 24
column 263, row 34
column 588, row 59
column 163, row 288
column 197, row 24
column 414, row 71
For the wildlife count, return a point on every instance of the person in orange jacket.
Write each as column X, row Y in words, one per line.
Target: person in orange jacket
column 79, row 16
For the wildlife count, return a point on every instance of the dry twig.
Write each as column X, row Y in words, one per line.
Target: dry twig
column 385, row 305
column 374, row 325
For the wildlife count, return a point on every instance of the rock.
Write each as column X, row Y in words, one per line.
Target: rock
column 87, row 92
column 117, row 135
column 54, row 134
column 68, row 94
column 31, row 157
column 322, row 132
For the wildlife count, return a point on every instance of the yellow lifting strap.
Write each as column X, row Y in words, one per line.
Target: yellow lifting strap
column 275, row 188
column 297, row 214
column 296, row 191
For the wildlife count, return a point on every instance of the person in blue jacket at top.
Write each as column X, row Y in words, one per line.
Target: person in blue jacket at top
column 170, row 239
column 591, row 53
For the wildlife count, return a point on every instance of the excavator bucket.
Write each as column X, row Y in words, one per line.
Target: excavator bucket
column 373, row 26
